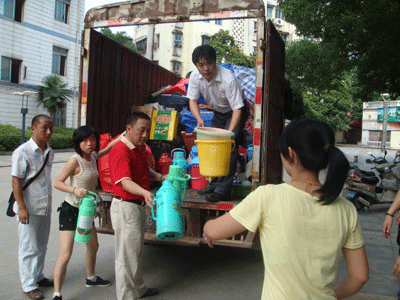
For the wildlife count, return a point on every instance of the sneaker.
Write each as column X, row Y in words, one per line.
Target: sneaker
column 99, row 282
column 57, row 298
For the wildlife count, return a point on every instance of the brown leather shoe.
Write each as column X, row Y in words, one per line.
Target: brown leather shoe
column 150, row 292
column 46, row 282
column 35, row 294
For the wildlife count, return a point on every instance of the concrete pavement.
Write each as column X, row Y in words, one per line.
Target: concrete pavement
column 183, row 272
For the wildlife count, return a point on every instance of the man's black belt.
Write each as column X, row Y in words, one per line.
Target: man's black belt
column 137, row 202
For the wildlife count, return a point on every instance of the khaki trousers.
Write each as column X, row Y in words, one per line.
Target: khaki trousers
column 128, row 221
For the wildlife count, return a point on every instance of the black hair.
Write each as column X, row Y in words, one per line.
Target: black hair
column 204, row 51
column 313, row 141
column 36, row 119
column 136, row 115
column 83, row 133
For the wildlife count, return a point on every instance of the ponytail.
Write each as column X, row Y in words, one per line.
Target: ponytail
column 338, row 168
column 313, row 141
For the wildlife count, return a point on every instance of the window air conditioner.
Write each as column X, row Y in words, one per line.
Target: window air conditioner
column 279, row 22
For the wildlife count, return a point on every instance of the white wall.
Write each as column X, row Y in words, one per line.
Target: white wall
column 32, row 41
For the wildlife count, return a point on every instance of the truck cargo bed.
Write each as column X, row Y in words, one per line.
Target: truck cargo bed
column 196, row 211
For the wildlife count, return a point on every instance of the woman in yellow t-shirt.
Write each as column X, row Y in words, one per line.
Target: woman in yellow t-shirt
column 304, row 225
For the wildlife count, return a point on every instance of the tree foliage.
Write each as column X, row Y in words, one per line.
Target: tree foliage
column 363, row 34
column 310, row 64
column 120, row 37
column 53, row 94
column 336, row 107
column 328, row 92
column 228, row 52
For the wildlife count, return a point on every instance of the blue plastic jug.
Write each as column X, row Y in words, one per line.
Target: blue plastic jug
column 179, row 158
column 169, row 223
column 250, row 152
column 84, row 225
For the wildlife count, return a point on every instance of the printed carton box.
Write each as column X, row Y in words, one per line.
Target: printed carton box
column 164, row 125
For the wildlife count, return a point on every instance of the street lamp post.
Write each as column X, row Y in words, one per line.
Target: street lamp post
column 24, row 109
column 385, row 121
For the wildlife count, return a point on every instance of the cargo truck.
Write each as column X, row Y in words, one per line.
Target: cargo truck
column 114, row 78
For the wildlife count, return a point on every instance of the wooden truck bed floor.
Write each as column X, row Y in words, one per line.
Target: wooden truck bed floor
column 196, row 210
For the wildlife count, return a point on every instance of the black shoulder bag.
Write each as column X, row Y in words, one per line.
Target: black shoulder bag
column 10, row 211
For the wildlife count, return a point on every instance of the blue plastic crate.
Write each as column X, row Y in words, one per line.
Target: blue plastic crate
column 190, row 122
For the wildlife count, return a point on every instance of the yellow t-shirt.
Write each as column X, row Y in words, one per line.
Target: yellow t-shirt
column 301, row 239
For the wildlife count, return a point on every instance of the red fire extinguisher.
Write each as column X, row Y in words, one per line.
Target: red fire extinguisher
column 163, row 163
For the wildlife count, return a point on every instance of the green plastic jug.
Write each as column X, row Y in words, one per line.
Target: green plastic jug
column 83, row 232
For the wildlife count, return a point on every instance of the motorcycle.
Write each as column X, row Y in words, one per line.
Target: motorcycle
column 364, row 188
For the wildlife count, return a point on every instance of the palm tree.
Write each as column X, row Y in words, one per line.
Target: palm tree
column 53, row 94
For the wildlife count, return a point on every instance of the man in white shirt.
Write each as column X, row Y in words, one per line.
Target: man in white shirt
column 33, row 206
column 223, row 92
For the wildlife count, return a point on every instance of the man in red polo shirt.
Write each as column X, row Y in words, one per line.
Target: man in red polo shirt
column 131, row 175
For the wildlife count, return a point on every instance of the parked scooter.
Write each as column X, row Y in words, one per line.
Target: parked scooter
column 364, row 188
column 389, row 175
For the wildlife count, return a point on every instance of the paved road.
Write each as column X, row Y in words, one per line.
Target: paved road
column 183, row 272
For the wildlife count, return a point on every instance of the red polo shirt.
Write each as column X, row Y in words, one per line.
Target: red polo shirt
column 128, row 161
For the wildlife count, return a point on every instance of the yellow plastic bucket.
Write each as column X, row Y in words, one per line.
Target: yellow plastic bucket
column 212, row 133
column 214, row 157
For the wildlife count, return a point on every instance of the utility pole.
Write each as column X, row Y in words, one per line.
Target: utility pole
column 385, row 121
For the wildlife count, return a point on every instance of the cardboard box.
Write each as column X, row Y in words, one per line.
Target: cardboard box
column 164, row 125
column 146, row 109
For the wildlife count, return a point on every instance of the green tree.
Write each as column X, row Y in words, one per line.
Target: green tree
column 53, row 94
column 311, row 64
column 364, row 34
column 336, row 107
column 328, row 92
column 228, row 52
column 119, row 37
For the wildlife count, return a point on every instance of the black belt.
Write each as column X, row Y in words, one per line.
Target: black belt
column 137, row 202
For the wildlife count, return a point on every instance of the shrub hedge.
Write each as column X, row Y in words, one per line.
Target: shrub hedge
column 10, row 137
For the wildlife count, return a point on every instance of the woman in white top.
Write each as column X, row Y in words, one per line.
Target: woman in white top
column 82, row 171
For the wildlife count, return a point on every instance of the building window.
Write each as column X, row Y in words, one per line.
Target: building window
column 176, row 67
column 278, row 13
column 254, row 50
column 62, row 10
column 59, row 118
column 376, row 136
column 207, row 21
column 178, row 40
column 269, row 11
column 205, row 39
column 59, row 61
column 141, row 46
column 218, row 22
column 13, row 9
column 10, row 69
column 177, row 43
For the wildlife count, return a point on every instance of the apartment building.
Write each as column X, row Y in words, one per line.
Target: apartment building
column 38, row 38
column 171, row 45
